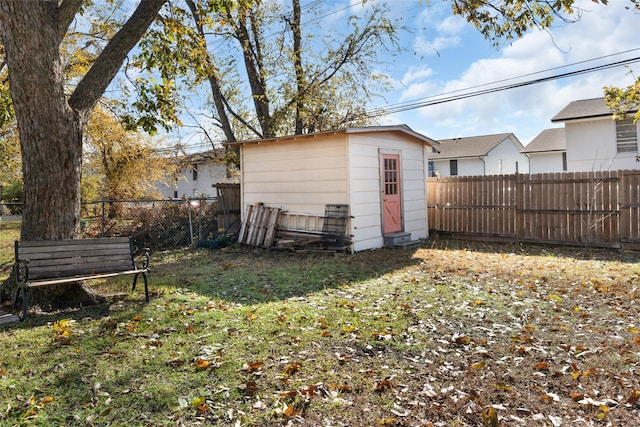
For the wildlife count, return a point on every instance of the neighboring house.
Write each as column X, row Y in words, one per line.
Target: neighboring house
column 379, row 172
column 547, row 152
column 594, row 140
column 196, row 174
column 479, row 155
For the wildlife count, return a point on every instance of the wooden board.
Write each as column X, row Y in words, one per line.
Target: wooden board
column 259, row 226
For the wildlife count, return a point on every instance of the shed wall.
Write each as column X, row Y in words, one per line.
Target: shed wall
column 299, row 176
column 366, row 190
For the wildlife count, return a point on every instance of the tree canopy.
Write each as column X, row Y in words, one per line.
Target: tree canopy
column 271, row 73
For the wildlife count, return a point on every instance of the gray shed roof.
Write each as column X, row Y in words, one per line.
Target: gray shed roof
column 473, row 146
column 404, row 129
column 583, row 109
column 547, row 141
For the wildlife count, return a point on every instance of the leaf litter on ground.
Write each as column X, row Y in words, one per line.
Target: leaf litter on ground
column 453, row 333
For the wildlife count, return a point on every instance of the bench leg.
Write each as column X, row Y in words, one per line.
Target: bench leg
column 25, row 301
column 146, row 285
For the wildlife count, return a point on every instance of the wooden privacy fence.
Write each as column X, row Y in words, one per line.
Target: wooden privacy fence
column 574, row 208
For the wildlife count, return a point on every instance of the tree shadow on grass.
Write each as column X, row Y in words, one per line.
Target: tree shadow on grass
column 252, row 276
column 244, row 275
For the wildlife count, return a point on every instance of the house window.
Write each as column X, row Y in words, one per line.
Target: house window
column 194, row 170
column 453, row 167
column 564, row 161
column 431, row 165
column 626, row 136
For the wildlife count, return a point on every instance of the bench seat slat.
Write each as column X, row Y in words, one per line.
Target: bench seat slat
column 53, row 281
column 61, row 262
column 73, row 242
column 78, row 270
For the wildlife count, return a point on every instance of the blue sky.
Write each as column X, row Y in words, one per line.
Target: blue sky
column 447, row 54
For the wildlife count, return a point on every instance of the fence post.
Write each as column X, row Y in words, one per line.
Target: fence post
column 102, row 219
column 190, row 221
column 519, row 204
column 200, row 219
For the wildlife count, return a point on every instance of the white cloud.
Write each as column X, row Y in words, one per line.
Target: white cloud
column 452, row 25
column 603, row 30
column 439, row 30
column 435, row 46
column 416, row 73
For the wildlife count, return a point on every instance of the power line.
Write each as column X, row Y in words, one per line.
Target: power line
column 521, row 76
column 456, row 95
column 440, row 98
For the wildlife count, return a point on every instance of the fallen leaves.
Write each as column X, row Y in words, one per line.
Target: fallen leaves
column 62, row 332
column 450, row 337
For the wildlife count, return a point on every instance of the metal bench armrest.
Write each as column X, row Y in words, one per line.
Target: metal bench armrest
column 21, row 269
column 144, row 253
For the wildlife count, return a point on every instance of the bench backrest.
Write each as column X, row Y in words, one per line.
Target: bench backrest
column 75, row 257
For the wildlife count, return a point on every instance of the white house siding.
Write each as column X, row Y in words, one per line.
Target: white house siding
column 506, row 158
column 209, row 173
column 297, row 175
column 466, row 167
column 591, row 146
column 366, row 191
column 545, row 162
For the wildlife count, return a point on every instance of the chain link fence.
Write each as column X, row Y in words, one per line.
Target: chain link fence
column 156, row 224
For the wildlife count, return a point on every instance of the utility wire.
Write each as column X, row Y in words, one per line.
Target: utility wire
column 518, row 77
column 457, row 95
column 440, row 98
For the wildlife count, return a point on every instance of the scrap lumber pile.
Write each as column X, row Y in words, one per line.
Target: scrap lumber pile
column 266, row 227
column 259, row 226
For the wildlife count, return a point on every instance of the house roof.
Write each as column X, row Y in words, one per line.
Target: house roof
column 548, row 140
column 473, row 146
column 216, row 155
column 584, row 109
column 367, row 129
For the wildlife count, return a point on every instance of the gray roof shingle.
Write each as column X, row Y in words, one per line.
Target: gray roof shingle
column 583, row 109
column 546, row 141
column 473, row 146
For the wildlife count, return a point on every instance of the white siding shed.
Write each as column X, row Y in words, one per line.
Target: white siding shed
column 360, row 167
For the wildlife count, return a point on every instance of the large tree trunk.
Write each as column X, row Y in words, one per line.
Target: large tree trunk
column 50, row 138
column 50, row 132
column 51, row 127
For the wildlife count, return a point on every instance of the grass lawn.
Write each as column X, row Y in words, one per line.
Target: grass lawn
column 451, row 334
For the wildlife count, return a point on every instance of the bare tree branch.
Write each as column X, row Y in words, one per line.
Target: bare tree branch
column 95, row 82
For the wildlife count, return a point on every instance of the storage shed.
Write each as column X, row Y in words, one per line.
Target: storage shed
column 378, row 172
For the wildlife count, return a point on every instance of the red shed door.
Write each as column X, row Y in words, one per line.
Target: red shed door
column 392, row 215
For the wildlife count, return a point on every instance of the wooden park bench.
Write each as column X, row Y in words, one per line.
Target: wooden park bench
column 51, row 262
